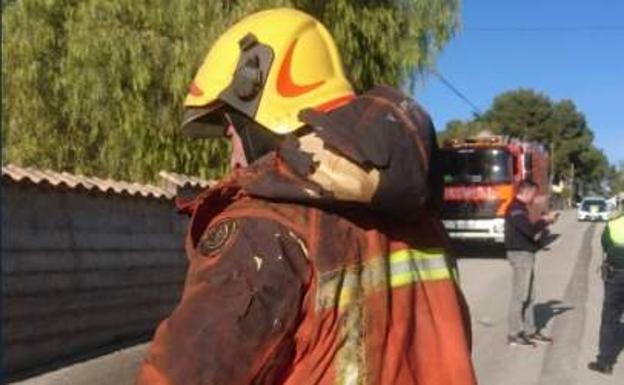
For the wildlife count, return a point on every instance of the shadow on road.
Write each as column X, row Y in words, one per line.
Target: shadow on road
column 549, row 240
column 548, row 310
column 475, row 249
column 481, row 249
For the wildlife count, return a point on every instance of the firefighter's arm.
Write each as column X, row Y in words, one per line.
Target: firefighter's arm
column 237, row 316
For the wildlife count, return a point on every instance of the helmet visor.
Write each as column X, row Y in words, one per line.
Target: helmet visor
column 205, row 122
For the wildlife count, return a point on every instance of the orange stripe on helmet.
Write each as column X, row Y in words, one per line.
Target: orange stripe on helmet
column 194, row 90
column 286, row 86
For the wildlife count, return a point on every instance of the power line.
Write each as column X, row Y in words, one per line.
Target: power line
column 562, row 28
column 476, row 110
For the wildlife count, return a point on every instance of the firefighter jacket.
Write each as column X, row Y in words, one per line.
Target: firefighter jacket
column 322, row 263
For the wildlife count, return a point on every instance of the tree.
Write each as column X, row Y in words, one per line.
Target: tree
column 386, row 41
column 616, row 178
column 96, row 86
column 466, row 129
column 521, row 114
column 534, row 116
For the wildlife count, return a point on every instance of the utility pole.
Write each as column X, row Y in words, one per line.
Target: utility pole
column 573, row 183
column 552, row 162
column 571, row 186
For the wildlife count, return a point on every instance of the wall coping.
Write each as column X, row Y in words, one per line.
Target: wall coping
column 54, row 179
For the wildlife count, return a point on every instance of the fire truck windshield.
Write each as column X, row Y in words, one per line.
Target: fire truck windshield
column 477, row 166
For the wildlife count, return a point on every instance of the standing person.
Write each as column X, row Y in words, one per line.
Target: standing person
column 522, row 239
column 321, row 259
column 611, row 340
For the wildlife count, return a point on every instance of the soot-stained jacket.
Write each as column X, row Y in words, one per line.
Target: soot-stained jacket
column 322, row 263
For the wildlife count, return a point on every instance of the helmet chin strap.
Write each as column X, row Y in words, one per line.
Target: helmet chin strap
column 256, row 140
column 237, row 156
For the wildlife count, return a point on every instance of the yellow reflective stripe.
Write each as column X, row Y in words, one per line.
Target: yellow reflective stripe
column 341, row 287
column 410, row 266
column 408, row 254
column 418, row 276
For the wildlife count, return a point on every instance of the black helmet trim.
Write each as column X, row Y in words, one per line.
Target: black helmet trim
column 245, row 91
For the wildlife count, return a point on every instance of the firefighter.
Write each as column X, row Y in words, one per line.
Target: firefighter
column 611, row 339
column 321, row 258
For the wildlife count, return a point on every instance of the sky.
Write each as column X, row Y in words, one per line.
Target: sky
column 565, row 49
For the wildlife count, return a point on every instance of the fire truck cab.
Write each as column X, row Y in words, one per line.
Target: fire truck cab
column 481, row 175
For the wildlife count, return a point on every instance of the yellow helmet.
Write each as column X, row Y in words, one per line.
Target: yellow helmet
column 269, row 66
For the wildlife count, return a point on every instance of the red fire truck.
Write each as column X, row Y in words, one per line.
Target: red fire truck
column 481, row 175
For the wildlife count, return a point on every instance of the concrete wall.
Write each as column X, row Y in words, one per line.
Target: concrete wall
column 82, row 270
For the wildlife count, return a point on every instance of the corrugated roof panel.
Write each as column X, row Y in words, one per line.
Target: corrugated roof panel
column 185, row 180
column 72, row 181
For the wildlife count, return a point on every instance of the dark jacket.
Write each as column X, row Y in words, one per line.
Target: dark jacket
column 306, row 268
column 614, row 247
column 520, row 232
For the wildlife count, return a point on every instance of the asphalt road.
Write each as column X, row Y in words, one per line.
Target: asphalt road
column 569, row 294
column 569, row 297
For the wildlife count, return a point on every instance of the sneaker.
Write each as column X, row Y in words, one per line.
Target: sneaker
column 540, row 338
column 599, row 367
column 520, row 340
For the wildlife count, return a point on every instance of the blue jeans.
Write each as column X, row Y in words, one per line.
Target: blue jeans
column 612, row 323
column 521, row 308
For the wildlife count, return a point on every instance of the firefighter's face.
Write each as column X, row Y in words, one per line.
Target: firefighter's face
column 237, row 157
column 250, row 141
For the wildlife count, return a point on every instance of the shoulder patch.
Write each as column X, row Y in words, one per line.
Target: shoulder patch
column 217, row 236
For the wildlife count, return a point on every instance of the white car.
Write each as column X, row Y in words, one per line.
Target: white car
column 593, row 209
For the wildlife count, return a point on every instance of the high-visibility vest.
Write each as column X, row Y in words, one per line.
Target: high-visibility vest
column 616, row 231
